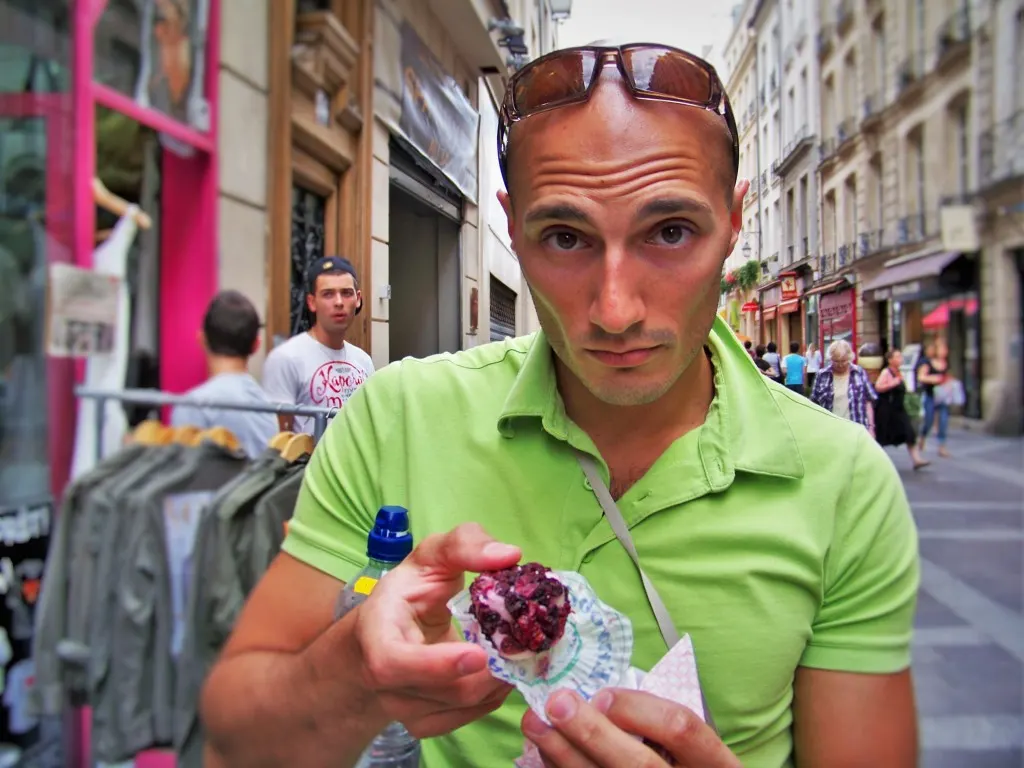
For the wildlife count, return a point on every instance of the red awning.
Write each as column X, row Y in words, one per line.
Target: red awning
column 769, row 312
column 939, row 317
column 792, row 305
column 750, row 306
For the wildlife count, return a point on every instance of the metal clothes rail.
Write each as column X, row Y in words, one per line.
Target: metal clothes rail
column 158, row 398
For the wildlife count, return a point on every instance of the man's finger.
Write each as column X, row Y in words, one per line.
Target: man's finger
column 394, row 665
column 446, row 721
column 582, row 737
column 467, row 691
column 680, row 731
column 465, row 548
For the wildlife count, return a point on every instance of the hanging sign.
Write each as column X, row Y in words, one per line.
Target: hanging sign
column 436, row 117
column 789, row 286
column 82, row 308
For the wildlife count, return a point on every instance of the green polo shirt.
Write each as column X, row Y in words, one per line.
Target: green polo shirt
column 777, row 534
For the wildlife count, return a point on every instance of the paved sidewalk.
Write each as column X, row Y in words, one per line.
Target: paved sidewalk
column 969, row 645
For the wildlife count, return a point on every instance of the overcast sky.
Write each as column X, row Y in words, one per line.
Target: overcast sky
column 686, row 24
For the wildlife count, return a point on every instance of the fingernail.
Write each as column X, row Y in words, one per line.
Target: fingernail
column 602, row 702
column 497, row 549
column 534, row 727
column 561, row 706
column 469, row 663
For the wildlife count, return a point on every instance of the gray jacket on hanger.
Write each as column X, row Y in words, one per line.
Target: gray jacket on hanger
column 110, row 512
column 150, row 620
column 218, row 592
column 54, row 682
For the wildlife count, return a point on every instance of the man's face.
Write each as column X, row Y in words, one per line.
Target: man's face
column 334, row 302
column 622, row 221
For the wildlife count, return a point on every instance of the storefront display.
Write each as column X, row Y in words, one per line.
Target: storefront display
column 93, row 95
column 837, row 315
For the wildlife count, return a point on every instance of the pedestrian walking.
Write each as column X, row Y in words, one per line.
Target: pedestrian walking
column 772, row 357
column 761, row 363
column 321, row 367
column 892, row 422
column 777, row 537
column 793, row 368
column 932, row 372
column 813, row 358
column 843, row 387
column 749, row 346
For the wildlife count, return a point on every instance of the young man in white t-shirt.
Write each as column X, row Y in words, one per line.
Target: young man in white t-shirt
column 319, row 367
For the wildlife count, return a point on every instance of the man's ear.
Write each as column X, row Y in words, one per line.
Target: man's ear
column 736, row 214
column 506, row 204
column 311, row 303
column 257, row 342
column 201, row 340
column 359, row 301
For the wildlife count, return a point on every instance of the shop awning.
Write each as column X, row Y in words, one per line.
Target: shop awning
column 791, row 305
column 826, row 287
column 769, row 313
column 906, row 278
column 750, row 306
column 939, row 317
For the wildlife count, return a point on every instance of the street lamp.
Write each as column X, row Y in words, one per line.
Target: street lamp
column 560, row 9
column 746, row 251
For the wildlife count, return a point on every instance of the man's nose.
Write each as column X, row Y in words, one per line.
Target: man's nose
column 618, row 305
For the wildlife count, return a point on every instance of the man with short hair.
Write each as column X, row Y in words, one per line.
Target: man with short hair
column 320, row 367
column 793, row 368
column 230, row 336
column 777, row 536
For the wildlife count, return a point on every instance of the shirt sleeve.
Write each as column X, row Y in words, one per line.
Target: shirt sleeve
column 341, row 489
column 278, row 379
column 872, row 572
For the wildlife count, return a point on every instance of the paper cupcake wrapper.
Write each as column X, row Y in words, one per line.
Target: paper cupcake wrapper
column 673, row 678
column 593, row 653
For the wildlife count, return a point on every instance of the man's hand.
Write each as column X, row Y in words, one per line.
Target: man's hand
column 602, row 734
column 415, row 663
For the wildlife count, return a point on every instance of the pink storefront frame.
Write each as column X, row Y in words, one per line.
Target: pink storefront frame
column 188, row 240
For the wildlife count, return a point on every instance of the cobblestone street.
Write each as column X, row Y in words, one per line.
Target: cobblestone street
column 969, row 646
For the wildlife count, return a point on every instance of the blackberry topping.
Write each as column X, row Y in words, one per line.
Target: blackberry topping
column 521, row 610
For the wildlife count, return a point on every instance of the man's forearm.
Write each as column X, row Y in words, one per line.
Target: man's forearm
column 270, row 708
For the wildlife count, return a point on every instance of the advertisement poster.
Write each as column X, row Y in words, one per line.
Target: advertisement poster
column 82, row 312
column 24, row 539
column 436, row 115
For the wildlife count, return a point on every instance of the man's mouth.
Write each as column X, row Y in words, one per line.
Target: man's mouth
column 629, row 358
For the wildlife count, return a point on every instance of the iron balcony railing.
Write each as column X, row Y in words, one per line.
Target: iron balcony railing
column 800, row 140
column 871, row 242
column 826, row 264
column 911, row 228
column 845, row 256
column 845, row 131
column 954, row 31
column 827, row 149
column 872, row 107
column 1002, row 151
column 764, row 179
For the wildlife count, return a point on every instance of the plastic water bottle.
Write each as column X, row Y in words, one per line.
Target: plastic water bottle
column 387, row 545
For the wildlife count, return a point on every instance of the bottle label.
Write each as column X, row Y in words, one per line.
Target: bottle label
column 364, row 585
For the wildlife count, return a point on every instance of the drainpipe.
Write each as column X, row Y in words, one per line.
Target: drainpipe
column 757, row 148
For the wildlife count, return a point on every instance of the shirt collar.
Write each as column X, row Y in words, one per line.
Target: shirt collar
column 746, row 429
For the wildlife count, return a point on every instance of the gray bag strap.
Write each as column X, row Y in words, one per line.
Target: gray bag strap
column 668, row 629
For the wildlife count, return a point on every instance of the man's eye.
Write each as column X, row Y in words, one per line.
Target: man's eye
column 564, row 241
column 672, row 234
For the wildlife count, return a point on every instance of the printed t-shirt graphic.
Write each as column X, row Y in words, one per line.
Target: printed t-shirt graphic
column 303, row 371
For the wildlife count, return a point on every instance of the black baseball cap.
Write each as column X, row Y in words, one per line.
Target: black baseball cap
column 328, row 265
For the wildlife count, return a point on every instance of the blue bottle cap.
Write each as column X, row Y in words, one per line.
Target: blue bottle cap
column 390, row 540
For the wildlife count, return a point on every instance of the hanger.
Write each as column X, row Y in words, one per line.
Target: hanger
column 185, row 435
column 280, row 440
column 117, row 205
column 221, row 436
column 151, row 432
column 298, row 446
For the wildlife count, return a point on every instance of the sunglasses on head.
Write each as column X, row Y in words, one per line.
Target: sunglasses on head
column 653, row 72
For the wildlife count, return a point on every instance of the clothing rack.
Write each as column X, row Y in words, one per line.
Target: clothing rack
column 158, row 398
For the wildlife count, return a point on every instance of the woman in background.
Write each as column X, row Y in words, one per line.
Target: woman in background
column 844, row 388
column 892, row 423
column 813, row 358
column 932, row 371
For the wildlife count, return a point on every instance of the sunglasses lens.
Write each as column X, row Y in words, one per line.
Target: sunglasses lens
column 554, row 81
column 668, row 73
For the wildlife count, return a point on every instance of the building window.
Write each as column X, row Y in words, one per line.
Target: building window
column 308, row 220
column 961, row 129
column 503, row 310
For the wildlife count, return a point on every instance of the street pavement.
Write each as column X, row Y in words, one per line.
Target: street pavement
column 968, row 658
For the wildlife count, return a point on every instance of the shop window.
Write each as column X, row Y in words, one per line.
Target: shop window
column 503, row 310
column 309, row 216
column 153, row 51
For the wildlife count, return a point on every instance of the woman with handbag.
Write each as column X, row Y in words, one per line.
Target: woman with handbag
column 932, row 376
column 892, row 422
